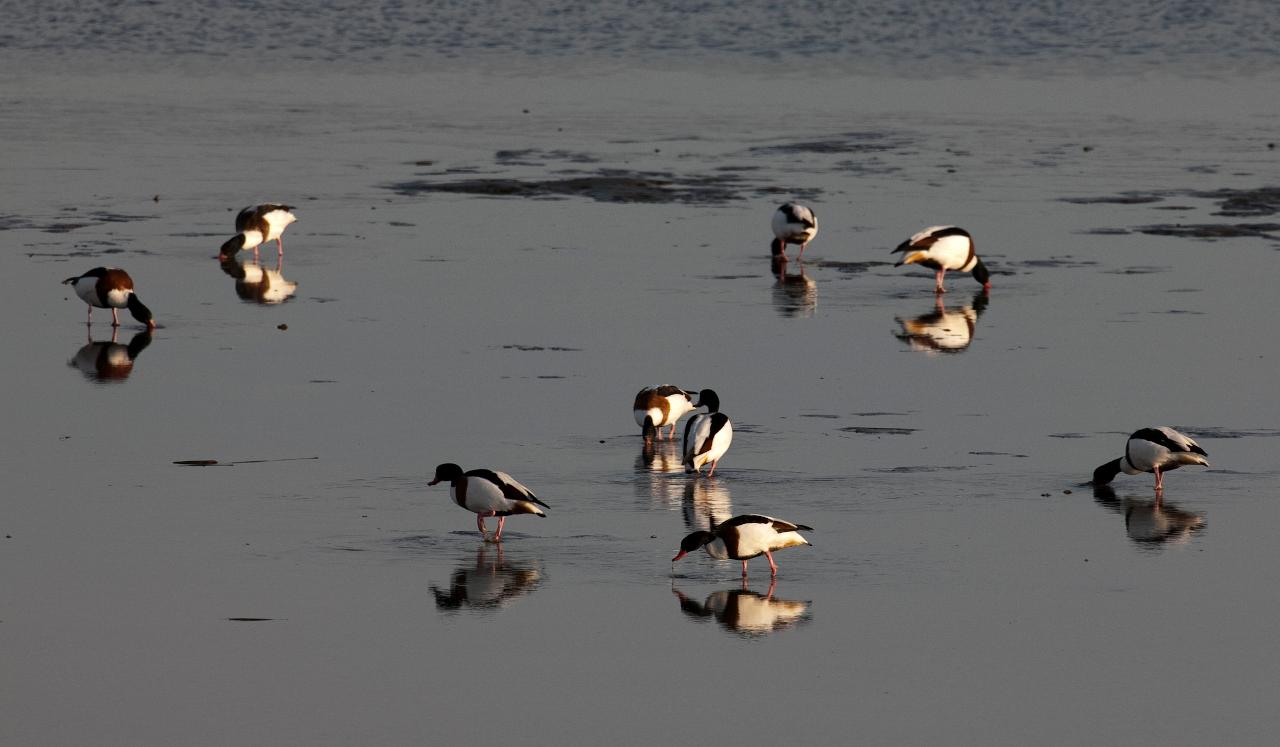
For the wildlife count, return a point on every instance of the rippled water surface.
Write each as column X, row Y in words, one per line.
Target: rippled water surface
column 513, row 217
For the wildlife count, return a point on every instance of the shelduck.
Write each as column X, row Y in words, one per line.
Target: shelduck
column 1155, row 450
column 793, row 223
column 707, row 435
column 656, row 406
column 256, row 225
column 745, row 537
column 488, row 493
column 942, row 248
column 110, row 288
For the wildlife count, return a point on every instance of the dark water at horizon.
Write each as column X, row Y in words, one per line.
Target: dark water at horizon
column 907, row 38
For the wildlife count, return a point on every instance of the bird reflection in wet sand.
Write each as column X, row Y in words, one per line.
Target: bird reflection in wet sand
column 746, row 612
column 257, row 284
column 1150, row 523
column 703, row 501
column 794, row 295
column 487, row 584
column 943, row 329
column 660, row 456
column 108, row 360
column 659, row 473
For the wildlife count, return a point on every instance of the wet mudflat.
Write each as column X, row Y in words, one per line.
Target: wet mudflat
column 963, row 586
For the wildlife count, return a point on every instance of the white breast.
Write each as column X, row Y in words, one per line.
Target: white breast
column 483, row 496
column 701, row 425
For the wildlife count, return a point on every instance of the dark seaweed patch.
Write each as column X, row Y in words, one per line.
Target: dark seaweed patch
column 103, row 216
column 909, row 470
column 852, row 268
column 869, row 167
column 870, row 431
column 1139, row 270
column 1244, row 203
column 1051, row 262
column 849, row 142
column 1124, row 198
column 63, row 227
column 1219, row 432
column 527, row 348
column 11, row 222
column 1232, row 203
column 606, row 186
column 535, row 157
column 1211, row 231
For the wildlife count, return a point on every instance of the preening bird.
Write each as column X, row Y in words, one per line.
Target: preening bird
column 792, row 224
column 707, row 435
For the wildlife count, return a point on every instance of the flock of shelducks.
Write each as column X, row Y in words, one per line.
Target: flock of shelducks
column 707, row 435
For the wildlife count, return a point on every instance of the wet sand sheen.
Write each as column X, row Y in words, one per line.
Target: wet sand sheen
column 954, row 586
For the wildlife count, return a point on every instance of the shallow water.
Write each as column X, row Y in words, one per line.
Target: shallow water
column 964, row 585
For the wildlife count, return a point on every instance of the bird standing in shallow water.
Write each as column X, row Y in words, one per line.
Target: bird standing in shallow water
column 256, row 225
column 707, row 435
column 792, row 224
column 656, row 406
column 488, row 493
column 110, row 288
column 745, row 537
column 942, row 248
column 1155, row 450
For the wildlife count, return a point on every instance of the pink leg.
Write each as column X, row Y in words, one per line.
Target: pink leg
column 255, row 254
column 115, row 317
column 89, row 319
column 773, row 567
column 800, row 256
column 502, row 520
column 279, row 247
column 938, row 286
column 713, row 468
column 1159, row 480
column 480, row 525
column 744, row 569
